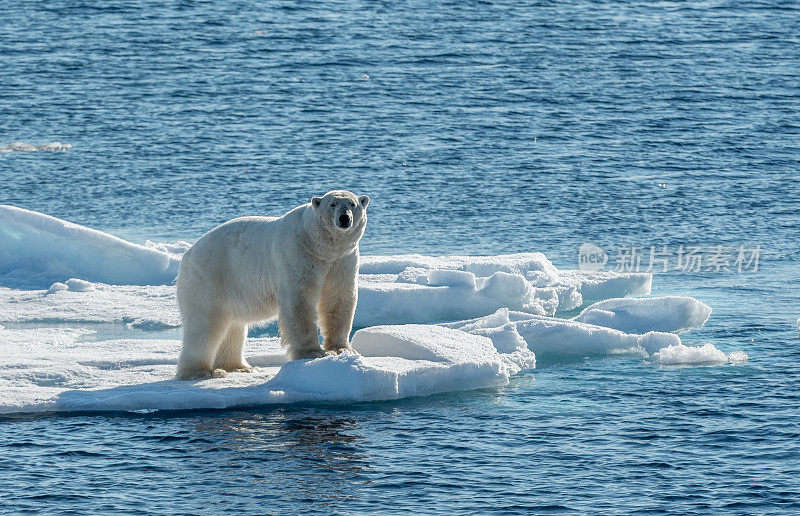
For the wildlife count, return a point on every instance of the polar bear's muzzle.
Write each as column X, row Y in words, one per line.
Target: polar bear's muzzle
column 344, row 221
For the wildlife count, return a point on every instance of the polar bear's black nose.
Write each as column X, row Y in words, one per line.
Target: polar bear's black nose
column 344, row 220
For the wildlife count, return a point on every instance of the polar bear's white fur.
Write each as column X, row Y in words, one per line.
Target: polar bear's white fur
column 302, row 267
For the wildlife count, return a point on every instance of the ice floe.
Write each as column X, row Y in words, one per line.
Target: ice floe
column 707, row 354
column 61, row 282
column 552, row 338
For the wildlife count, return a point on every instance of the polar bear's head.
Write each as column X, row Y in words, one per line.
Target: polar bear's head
column 342, row 211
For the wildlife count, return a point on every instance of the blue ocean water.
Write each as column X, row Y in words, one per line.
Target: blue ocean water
column 477, row 127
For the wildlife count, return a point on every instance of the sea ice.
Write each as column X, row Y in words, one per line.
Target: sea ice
column 503, row 305
column 551, row 338
column 554, row 337
column 707, row 354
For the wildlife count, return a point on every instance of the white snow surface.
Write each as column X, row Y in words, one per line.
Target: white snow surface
column 147, row 307
column 62, row 285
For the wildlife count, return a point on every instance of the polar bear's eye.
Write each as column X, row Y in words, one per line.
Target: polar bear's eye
column 333, row 205
column 352, row 205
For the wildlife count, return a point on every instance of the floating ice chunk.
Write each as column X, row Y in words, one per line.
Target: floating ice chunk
column 54, row 147
column 346, row 377
column 547, row 298
column 569, row 297
column 551, row 338
column 499, row 318
column 511, row 346
column 706, row 354
column 36, row 250
column 554, row 290
column 652, row 341
column 504, row 336
column 542, row 278
column 639, row 315
column 560, row 337
column 343, row 378
column 738, row 357
column 21, row 147
column 26, row 147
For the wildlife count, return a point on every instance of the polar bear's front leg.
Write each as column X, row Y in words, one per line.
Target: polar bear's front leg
column 202, row 335
column 297, row 321
column 337, row 305
column 229, row 356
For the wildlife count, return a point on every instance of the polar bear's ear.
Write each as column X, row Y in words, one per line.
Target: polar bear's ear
column 364, row 200
column 316, row 201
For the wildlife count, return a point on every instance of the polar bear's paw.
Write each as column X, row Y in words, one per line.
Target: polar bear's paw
column 346, row 351
column 200, row 374
column 244, row 369
column 308, row 354
column 219, row 373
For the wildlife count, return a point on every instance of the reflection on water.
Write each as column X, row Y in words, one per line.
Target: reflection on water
column 292, row 455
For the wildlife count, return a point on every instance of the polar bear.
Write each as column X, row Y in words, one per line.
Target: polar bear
column 302, row 267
